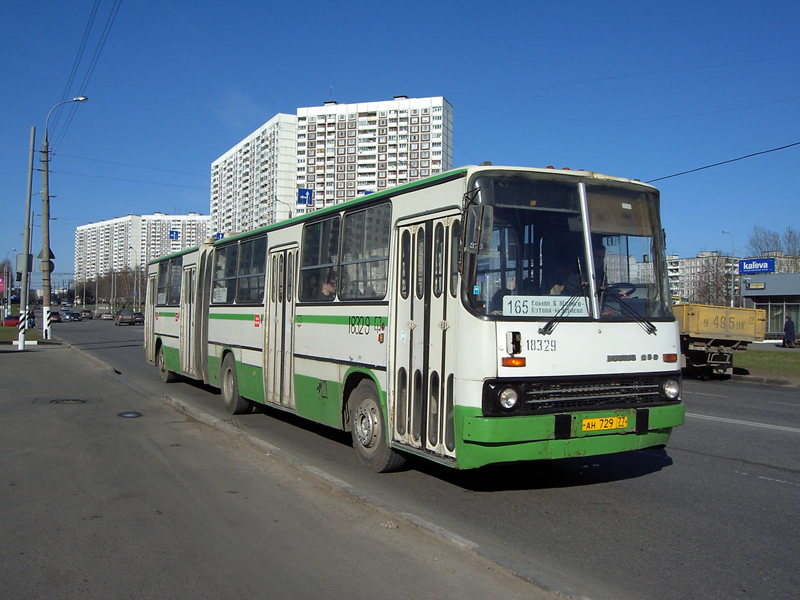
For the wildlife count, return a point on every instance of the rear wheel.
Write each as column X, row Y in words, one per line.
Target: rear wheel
column 369, row 435
column 234, row 403
column 166, row 375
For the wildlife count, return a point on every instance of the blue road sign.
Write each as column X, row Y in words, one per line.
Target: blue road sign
column 305, row 196
column 174, row 234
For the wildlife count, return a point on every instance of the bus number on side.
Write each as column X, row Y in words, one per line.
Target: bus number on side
column 363, row 325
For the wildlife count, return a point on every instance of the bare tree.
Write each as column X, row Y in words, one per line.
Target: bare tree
column 763, row 240
column 791, row 246
column 712, row 283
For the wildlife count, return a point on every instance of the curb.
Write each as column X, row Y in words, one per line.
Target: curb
column 773, row 381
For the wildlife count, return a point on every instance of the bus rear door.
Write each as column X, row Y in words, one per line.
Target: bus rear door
column 279, row 328
column 187, row 321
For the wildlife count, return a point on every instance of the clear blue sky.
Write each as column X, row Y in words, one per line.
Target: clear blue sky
column 635, row 89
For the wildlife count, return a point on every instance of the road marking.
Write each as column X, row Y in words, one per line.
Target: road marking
column 751, row 423
column 707, row 395
column 770, row 479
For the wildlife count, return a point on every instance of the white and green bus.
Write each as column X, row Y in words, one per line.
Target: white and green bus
column 485, row 315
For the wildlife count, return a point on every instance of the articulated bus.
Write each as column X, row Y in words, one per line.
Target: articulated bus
column 484, row 315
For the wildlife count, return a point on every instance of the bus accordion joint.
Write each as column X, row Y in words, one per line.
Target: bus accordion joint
column 514, row 361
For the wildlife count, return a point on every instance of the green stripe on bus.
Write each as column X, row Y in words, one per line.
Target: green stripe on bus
column 232, row 316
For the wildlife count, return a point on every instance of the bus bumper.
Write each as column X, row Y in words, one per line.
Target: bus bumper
column 487, row 440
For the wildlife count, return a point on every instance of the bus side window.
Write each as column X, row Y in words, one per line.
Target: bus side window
column 225, row 261
column 365, row 253
column 319, row 256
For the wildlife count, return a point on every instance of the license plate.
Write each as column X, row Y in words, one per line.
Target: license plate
column 604, row 423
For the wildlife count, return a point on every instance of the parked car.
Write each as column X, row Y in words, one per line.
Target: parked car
column 72, row 316
column 55, row 317
column 86, row 313
column 11, row 321
column 126, row 316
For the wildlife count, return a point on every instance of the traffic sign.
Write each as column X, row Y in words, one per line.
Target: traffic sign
column 305, row 196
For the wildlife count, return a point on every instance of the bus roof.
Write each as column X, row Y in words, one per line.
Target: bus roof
column 464, row 171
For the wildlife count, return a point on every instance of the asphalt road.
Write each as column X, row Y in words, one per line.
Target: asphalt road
column 715, row 515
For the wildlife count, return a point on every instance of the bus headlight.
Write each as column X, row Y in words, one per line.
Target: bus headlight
column 508, row 398
column 670, row 389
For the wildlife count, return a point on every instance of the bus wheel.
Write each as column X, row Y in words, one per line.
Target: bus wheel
column 234, row 403
column 368, row 432
column 166, row 375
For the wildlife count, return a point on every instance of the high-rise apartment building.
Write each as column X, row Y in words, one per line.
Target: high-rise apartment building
column 128, row 243
column 253, row 183
column 328, row 154
column 349, row 150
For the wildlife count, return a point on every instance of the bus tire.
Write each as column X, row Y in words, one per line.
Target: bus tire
column 166, row 375
column 368, row 430
column 229, row 386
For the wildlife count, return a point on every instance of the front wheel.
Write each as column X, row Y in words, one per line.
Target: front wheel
column 166, row 375
column 369, row 437
column 234, row 403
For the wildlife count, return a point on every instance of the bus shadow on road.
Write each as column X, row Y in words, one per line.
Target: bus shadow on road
column 561, row 473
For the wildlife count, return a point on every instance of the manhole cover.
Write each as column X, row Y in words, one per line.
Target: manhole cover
column 68, row 401
column 130, row 415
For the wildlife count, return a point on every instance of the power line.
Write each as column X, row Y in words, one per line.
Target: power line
column 192, row 187
column 77, row 62
column 724, row 162
column 120, row 164
column 92, row 64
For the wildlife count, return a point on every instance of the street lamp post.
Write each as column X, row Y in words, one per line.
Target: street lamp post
column 285, row 204
column 47, row 254
column 733, row 251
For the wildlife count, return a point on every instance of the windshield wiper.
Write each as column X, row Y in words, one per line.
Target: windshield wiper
column 624, row 308
column 580, row 292
column 561, row 312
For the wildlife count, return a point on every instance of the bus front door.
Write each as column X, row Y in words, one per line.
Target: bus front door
column 279, row 329
column 424, row 356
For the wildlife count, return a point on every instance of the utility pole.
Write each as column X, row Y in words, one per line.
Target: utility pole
column 47, row 254
column 26, row 246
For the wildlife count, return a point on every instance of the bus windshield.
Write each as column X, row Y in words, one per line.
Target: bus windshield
column 564, row 248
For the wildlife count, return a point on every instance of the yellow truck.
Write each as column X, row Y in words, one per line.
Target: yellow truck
column 710, row 335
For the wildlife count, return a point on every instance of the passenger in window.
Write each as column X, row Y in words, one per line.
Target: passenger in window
column 328, row 290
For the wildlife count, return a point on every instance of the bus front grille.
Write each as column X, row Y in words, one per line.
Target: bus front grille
column 576, row 393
